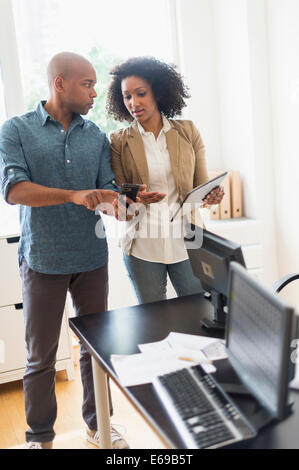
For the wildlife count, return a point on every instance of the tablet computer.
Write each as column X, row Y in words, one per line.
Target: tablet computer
column 197, row 194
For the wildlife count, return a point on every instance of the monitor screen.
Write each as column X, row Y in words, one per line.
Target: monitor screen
column 259, row 330
column 210, row 256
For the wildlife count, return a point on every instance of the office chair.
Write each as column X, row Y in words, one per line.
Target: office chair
column 278, row 286
column 284, row 281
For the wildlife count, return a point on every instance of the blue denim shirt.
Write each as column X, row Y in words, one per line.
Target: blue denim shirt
column 34, row 147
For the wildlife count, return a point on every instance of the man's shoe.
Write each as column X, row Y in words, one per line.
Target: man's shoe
column 39, row 445
column 117, row 440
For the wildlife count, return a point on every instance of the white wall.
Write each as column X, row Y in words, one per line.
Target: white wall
column 235, row 96
column 225, row 56
column 262, row 119
column 10, row 69
column 284, row 53
column 196, row 41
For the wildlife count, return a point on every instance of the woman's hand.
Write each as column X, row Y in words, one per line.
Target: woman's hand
column 214, row 197
column 149, row 197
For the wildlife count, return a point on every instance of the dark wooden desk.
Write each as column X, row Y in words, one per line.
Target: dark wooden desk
column 120, row 331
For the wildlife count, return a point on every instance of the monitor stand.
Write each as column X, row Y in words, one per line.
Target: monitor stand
column 218, row 323
column 260, row 417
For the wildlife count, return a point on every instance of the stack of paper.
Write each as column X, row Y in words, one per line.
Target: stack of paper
column 173, row 353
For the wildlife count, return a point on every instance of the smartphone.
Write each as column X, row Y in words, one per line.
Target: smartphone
column 130, row 190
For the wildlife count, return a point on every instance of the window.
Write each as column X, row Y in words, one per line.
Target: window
column 104, row 31
column 8, row 214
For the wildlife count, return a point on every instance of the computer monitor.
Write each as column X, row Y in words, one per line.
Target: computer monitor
column 260, row 328
column 210, row 263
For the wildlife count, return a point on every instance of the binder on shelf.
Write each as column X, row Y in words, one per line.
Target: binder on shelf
column 236, row 194
column 224, row 206
column 214, row 210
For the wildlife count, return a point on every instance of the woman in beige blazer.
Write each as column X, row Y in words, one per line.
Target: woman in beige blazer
column 166, row 155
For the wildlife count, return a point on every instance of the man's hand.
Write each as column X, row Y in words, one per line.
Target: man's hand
column 214, row 197
column 93, row 198
column 149, row 197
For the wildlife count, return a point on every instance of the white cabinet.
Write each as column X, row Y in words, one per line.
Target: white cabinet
column 245, row 232
column 13, row 350
column 10, row 281
column 12, row 336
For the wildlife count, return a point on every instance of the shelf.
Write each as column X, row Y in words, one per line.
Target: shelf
column 243, row 230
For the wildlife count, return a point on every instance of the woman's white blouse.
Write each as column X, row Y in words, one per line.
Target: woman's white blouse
column 158, row 240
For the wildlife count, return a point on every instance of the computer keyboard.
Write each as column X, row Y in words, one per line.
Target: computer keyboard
column 202, row 412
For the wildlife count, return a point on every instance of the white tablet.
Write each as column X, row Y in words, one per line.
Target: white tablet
column 200, row 192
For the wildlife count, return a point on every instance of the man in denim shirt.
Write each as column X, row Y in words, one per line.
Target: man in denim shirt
column 56, row 165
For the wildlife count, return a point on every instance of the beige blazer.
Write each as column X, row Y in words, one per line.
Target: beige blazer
column 187, row 158
column 186, row 151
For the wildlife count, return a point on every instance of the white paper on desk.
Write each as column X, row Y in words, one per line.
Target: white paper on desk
column 156, row 347
column 212, row 348
column 163, row 347
column 136, row 369
column 215, row 351
column 196, row 342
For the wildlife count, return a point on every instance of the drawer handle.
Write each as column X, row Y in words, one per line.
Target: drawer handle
column 18, row 306
column 13, row 240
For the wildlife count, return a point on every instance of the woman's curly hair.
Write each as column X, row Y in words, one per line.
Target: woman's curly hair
column 167, row 86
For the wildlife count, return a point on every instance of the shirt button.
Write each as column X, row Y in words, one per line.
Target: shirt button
column 62, row 131
column 68, row 161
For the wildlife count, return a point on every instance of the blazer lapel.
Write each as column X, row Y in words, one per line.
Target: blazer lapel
column 136, row 146
column 172, row 139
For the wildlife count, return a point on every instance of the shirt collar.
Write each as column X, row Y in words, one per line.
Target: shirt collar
column 45, row 116
column 166, row 126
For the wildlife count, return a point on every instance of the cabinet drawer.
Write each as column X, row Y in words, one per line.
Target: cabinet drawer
column 10, row 281
column 13, row 343
column 242, row 231
column 12, row 338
